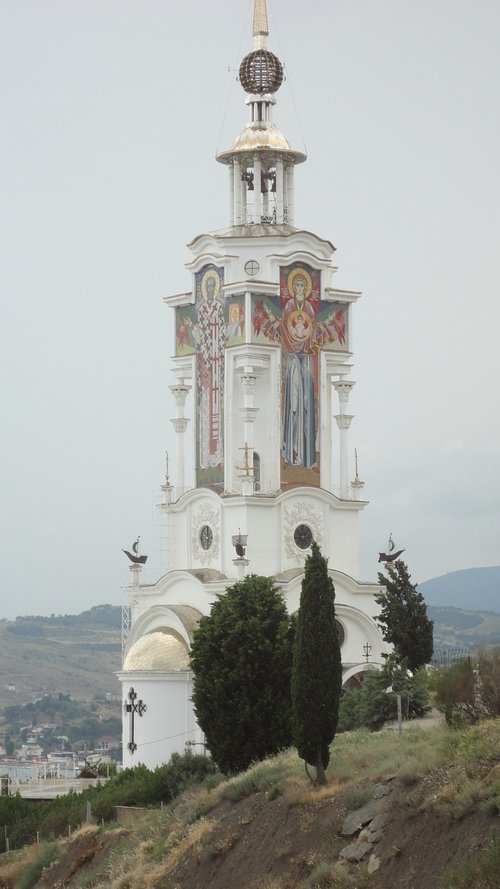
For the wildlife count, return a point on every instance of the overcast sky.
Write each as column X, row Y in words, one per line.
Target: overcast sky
column 112, row 112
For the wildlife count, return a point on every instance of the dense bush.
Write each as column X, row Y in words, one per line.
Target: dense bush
column 470, row 689
column 241, row 657
column 371, row 705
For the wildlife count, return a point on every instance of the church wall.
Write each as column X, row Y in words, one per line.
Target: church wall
column 163, row 728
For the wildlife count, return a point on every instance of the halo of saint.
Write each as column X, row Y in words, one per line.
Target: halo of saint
column 299, row 272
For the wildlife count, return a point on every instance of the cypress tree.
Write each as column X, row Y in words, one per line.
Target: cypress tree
column 404, row 618
column 317, row 667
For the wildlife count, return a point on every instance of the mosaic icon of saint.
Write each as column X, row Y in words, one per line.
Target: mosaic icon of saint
column 298, row 327
column 209, row 334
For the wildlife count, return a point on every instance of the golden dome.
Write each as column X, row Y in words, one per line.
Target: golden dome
column 258, row 136
column 162, row 650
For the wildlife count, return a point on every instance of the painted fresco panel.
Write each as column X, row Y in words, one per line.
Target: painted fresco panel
column 201, row 329
column 302, row 325
column 234, row 313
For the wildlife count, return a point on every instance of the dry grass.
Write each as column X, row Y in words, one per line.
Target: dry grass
column 14, row 864
column 131, row 869
column 304, row 794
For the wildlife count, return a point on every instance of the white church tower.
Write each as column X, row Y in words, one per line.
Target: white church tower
column 263, row 352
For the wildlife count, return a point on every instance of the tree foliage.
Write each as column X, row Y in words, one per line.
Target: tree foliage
column 317, row 666
column 241, row 657
column 403, row 617
column 371, row 705
column 469, row 690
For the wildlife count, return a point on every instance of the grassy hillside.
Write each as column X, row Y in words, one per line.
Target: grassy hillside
column 461, row 628
column 411, row 813
column 68, row 654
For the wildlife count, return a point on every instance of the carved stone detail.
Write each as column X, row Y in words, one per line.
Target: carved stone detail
column 205, row 514
column 180, row 424
column 248, row 383
column 343, row 420
column 343, row 389
column 300, row 514
column 180, row 392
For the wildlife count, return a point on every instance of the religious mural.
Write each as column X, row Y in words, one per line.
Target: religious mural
column 201, row 329
column 302, row 324
column 234, row 313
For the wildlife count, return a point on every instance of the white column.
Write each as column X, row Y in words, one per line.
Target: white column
column 135, row 575
column 231, row 193
column 257, row 194
column 248, row 410
column 237, row 183
column 343, row 423
column 279, row 190
column 240, row 565
column 180, row 424
column 243, row 201
column 290, row 192
column 343, row 389
column 249, row 413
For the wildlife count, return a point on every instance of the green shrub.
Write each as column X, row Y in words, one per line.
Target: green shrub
column 32, row 874
column 371, row 706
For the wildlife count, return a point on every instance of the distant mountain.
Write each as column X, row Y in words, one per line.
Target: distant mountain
column 472, row 588
column 457, row 628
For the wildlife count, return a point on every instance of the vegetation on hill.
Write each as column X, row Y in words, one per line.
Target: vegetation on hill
column 75, row 655
column 53, row 717
column 267, row 828
column 456, row 628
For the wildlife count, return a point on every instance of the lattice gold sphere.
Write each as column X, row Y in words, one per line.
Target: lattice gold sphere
column 261, row 72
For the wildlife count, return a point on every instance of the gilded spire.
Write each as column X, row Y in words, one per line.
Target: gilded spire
column 260, row 24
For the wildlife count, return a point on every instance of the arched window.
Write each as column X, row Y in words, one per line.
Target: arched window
column 256, row 470
column 340, row 632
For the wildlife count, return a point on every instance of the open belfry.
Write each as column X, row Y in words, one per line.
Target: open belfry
column 261, row 382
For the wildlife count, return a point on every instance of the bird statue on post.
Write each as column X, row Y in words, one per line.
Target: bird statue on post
column 134, row 555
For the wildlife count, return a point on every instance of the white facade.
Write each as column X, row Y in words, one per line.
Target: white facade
column 261, row 383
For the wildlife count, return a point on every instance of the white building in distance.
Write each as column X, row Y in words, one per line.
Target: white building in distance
column 262, row 366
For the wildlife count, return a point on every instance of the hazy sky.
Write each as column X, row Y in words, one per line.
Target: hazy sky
column 112, row 112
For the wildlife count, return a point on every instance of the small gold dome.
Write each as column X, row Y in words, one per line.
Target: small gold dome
column 162, row 650
column 258, row 136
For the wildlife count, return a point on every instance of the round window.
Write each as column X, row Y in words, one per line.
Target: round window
column 340, row 632
column 303, row 536
column 252, row 267
column 206, row 537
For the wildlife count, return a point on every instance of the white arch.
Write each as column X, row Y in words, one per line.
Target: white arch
column 359, row 668
column 159, row 617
